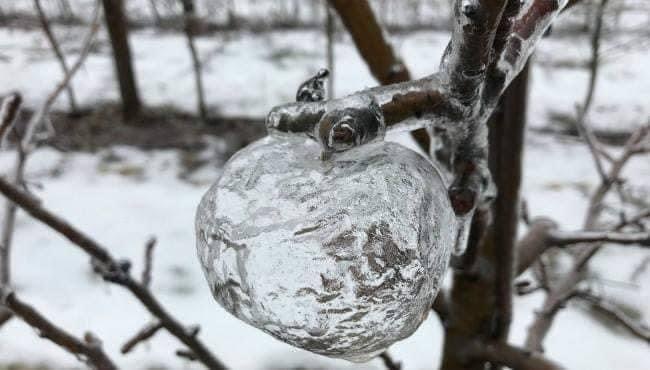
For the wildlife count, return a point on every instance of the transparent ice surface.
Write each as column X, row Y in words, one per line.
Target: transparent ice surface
column 341, row 257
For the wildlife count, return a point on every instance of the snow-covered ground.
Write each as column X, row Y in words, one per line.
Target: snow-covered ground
column 123, row 202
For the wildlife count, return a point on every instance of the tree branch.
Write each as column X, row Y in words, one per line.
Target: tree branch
column 143, row 335
column 57, row 52
column 514, row 357
column 564, row 238
column 360, row 21
column 89, row 350
column 389, row 362
column 112, row 270
column 611, row 311
column 148, row 259
column 543, row 234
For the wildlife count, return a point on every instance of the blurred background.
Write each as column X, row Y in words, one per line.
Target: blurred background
column 124, row 178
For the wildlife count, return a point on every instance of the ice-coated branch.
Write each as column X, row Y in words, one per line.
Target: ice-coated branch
column 513, row 357
column 114, row 271
column 89, row 349
column 469, row 52
column 486, row 52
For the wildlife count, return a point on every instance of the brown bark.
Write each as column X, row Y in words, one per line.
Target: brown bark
column 368, row 37
column 89, row 350
column 481, row 295
column 191, row 24
column 116, row 24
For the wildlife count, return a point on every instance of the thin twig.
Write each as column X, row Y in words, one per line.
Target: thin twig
column 112, row 270
column 148, row 262
column 144, row 334
column 389, row 362
column 611, row 311
column 54, row 44
column 594, row 147
column 39, row 115
column 89, row 350
column 8, row 114
column 565, row 288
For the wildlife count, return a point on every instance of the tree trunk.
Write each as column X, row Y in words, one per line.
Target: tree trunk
column 329, row 34
column 481, row 294
column 116, row 24
column 190, row 29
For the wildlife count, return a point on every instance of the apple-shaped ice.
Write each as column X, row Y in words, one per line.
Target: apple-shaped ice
column 341, row 257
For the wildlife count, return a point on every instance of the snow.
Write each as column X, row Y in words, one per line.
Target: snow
column 123, row 203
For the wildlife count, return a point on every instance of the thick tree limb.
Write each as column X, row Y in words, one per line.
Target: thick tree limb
column 89, row 350
column 112, row 270
column 359, row 19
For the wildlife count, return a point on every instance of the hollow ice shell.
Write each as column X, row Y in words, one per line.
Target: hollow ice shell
column 340, row 257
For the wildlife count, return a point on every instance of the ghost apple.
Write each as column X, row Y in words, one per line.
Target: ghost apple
column 341, row 257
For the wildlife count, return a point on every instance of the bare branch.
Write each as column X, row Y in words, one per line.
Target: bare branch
column 441, row 306
column 143, row 335
column 611, row 311
column 543, row 234
column 8, row 114
column 5, row 316
column 89, row 350
column 565, row 238
column 595, row 201
column 54, row 44
column 358, row 18
column 40, row 114
column 533, row 243
column 514, row 357
column 10, row 108
column 389, row 362
column 113, row 270
column 148, row 258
